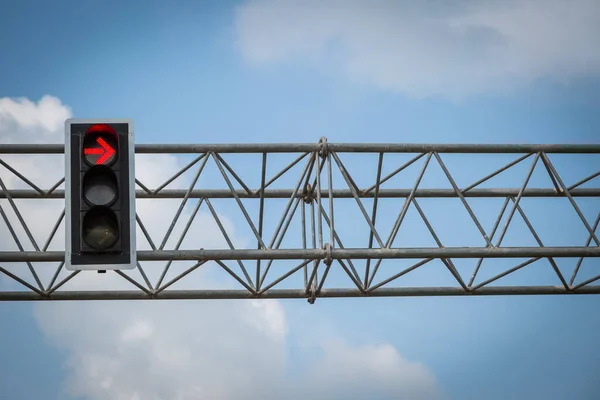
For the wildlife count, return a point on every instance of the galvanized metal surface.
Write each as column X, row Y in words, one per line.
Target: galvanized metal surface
column 312, row 217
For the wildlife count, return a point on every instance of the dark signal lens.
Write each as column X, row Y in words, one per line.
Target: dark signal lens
column 100, row 186
column 100, row 228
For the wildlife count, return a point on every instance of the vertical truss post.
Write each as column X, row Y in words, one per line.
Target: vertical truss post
column 374, row 215
column 261, row 213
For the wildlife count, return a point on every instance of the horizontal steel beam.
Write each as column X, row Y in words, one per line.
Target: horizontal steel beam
column 215, row 294
column 308, row 147
column 318, row 254
column 337, row 193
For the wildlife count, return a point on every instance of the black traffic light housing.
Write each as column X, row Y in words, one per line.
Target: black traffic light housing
column 99, row 194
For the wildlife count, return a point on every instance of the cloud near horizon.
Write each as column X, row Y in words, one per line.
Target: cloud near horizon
column 450, row 49
column 181, row 350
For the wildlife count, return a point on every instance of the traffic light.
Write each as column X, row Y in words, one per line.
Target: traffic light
column 99, row 194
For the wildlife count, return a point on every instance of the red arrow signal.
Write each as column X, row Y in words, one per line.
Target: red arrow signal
column 106, row 151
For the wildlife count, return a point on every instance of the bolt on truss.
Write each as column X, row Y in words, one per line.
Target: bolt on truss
column 331, row 220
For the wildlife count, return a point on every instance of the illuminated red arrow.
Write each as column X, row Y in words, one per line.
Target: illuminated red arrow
column 92, row 151
column 106, row 151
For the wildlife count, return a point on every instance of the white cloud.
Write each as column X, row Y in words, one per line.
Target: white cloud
column 428, row 48
column 24, row 121
column 167, row 350
column 360, row 369
column 179, row 350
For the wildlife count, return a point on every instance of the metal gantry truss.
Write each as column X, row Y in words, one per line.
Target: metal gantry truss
column 316, row 260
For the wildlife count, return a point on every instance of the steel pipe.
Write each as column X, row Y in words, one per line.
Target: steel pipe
column 317, row 254
column 214, row 294
column 337, row 193
column 309, row 147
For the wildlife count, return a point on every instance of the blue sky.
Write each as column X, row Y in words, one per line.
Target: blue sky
column 194, row 72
